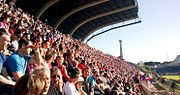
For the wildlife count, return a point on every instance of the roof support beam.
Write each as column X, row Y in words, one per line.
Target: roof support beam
column 45, row 7
column 99, row 16
column 111, row 29
column 96, row 2
column 104, row 25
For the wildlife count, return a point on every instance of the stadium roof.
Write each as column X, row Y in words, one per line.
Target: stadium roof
column 80, row 18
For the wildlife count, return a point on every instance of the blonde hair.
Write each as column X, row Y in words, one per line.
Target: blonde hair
column 29, row 85
column 41, row 70
column 50, row 53
column 37, row 84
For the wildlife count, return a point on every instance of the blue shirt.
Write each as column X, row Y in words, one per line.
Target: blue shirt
column 2, row 60
column 16, row 63
column 92, row 80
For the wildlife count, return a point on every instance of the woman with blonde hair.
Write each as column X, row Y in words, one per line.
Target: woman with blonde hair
column 44, row 73
column 56, row 80
column 29, row 85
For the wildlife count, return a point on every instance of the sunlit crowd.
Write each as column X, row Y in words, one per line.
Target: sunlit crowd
column 37, row 59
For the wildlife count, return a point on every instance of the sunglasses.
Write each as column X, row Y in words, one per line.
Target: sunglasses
column 54, row 76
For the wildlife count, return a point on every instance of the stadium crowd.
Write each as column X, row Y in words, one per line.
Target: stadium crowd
column 36, row 59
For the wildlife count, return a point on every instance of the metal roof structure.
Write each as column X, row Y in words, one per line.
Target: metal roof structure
column 80, row 18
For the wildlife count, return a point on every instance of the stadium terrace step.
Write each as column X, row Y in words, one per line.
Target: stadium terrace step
column 154, row 89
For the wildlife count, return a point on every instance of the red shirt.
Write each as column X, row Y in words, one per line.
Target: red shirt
column 81, row 66
column 63, row 72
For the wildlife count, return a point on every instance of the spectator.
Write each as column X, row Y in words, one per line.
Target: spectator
column 82, row 65
column 26, row 36
column 36, row 61
column 70, row 59
column 50, row 57
column 5, row 19
column 92, row 79
column 16, row 63
column 45, row 46
column 15, row 38
column 45, row 74
column 29, row 85
column 56, row 80
column 87, row 87
column 58, row 62
column 69, row 87
column 38, row 40
column 5, row 84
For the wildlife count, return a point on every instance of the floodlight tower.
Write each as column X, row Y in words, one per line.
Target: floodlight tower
column 121, row 53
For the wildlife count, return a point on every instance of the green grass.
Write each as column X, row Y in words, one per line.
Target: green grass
column 172, row 77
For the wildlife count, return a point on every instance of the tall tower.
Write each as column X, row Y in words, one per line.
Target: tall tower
column 121, row 53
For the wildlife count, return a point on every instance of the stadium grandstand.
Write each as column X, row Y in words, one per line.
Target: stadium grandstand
column 42, row 50
column 80, row 18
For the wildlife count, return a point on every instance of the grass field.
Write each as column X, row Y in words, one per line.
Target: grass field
column 172, row 77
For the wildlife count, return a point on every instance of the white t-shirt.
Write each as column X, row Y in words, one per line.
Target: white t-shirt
column 70, row 89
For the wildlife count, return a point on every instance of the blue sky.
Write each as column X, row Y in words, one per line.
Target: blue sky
column 156, row 38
